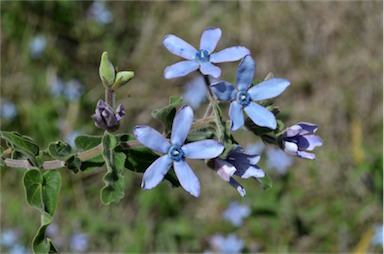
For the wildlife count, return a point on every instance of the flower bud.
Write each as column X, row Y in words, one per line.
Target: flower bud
column 105, row 118
column 106, row 71
column 122, row 78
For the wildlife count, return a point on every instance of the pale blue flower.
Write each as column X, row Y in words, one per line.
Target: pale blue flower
column 244, row 96
column 9, row 237
column 8, row 110
column 378, row 236
column 240, row 164
column 73, row 90
column 203, row 58
column 278, row 160
column 79, row 242
column 37, row 46
column 99, row 13
column 236, row 213
column 175, row 152
column 300, row 138
column 229, row 244
column 195, row 92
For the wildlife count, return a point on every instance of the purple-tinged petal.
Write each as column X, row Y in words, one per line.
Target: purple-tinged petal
column 251, row 171
column 99, row 121
column 224, row 169
column 309, row 142
column 261, row 116
column 293, row 130
column 155, row 172
column 305, row 155
column 268, row 89
column 180, row 69
column 245, row 73
column 209, row 69
column 151, row 138
column 240, row 189
column 120, row 112
column 179, row 47
column 203, row 149
column 307, row 127
column 253, row 158
column 224, row 90
column 236, row 115
column 188, row 180
column 181, row 125
column 210, row 38
column 229, row 54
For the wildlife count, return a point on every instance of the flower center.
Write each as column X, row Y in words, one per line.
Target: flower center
column 202, row 55
column 243, row 98
column 176, row 153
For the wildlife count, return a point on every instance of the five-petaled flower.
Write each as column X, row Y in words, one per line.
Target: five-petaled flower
column 202, row 58
column 244, row 96
column 105, row 118
column 299, row 138
column 175, row 152
column 240, row 164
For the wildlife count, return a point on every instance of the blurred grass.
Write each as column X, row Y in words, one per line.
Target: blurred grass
column 330, row 51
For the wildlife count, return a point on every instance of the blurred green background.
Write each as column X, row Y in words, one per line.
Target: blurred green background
column 330, row 51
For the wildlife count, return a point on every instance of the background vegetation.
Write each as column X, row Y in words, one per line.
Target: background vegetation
column 330, row 51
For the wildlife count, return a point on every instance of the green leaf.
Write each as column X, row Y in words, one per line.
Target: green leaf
column 42, row 191
column 265, row 182
column 21, row 144
column 166, row 114
column 113, row 190
column 87, row 142
column 61, row 150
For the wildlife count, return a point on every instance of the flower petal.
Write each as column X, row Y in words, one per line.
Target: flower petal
column 181, row 125
column 151, row 138
column 245, row 73
column 180, row 69
column 229, row 54
column 187, row 178
column 236, row 115
column 240, row 189
column 224, row 90
column 224, row 169
column 209, row 69
column 269, row 88
column 210, row 38
column 308, row 142
column 155, row 172
column 251, row 171
column 307, row 127
column 305, row 155
column 260, row 115
column 203, row 149
column 179, row 47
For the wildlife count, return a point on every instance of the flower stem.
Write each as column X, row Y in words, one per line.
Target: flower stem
column 211, row 96
column 110, row 97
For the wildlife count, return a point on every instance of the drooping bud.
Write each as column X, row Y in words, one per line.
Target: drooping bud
column 122, row 78
column 105, row 118
column 106, row 71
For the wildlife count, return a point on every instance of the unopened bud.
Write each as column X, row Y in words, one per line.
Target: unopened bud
column 122, row 78
column 106, row 71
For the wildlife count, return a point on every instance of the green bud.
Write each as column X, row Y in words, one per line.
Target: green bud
column 106, row 71
column 122, row 78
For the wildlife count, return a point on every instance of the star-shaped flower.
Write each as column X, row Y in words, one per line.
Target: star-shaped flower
column 175, row 152
column 202, row 58
column 300, row 137
column 244, row 96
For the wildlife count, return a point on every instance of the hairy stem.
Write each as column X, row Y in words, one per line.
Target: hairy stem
column 110, row 97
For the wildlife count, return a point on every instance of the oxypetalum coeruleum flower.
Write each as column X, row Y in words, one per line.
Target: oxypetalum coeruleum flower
column 105, row 118
column 244, row 97
column 240, row 164
column 202, row 58
column 175, row 152
column 299, row 138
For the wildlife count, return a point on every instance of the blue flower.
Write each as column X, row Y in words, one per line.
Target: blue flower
column 229, row 244
column 79, row 242
column 195, row 92
column 236, row 213
column 8, row 110
column 299, row 138
column 175, row 152
column 240, row 164
column 37, row 46
column 243, row 97
column 100, row 13
column 202, row 58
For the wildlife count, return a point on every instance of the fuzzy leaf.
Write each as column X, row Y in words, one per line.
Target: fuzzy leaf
column 113, row 190
column 87, row 142
column 60, row 150
column 166, row 114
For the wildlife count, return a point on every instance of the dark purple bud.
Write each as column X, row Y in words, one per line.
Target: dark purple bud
column 105, row 118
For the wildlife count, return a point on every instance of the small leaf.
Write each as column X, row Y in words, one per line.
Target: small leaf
column 60, row 150
column 113, row 190
column 166, row 114
column 265, row 182
column 106, row 70
column 22, row 144
column 51, row 189
column 33, row 181
column 87, row 142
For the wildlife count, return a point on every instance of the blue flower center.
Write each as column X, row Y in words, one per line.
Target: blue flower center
column 202, row 55
column 243, row 98
column 176, row 153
